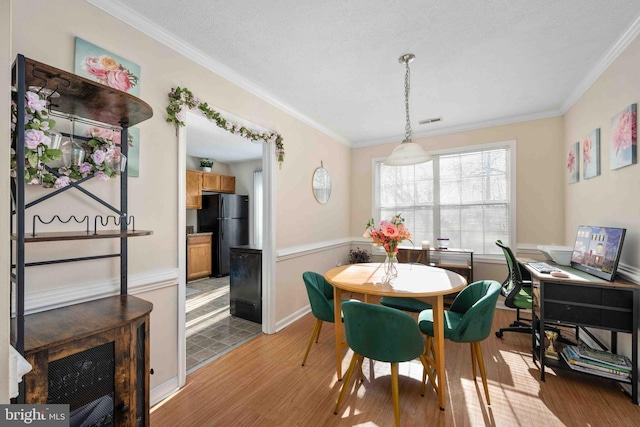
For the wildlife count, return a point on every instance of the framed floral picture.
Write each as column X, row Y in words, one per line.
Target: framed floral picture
column 94, row 63
column 97, row 64
column 591, row 155
column 623, row 138
column 573, row 165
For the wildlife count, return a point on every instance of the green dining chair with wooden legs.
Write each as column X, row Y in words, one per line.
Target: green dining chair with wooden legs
column 469, row 319
column 320, row 294
column 383, row 334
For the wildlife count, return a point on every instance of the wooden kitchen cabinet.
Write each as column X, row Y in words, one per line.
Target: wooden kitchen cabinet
column 227, row 184
column 194, row 189
column 210, row 181
column 218, row 183
column 198, row 181
column 198, row 255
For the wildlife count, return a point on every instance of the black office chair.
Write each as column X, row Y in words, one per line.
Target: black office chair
column 517, row 292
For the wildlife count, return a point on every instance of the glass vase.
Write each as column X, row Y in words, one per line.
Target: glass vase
column 390, row 267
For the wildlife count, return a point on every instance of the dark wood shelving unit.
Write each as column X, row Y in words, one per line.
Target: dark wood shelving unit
column 115, row 326
column 82, row 235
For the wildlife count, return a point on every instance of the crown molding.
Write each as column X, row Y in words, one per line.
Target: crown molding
column 618, row 47
column 127, row 15
column 466, row 127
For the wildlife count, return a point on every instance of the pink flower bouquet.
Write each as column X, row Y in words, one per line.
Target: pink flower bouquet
column 389, row 234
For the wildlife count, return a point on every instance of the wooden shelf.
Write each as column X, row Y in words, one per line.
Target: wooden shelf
column 84, row 98
column 81, row 235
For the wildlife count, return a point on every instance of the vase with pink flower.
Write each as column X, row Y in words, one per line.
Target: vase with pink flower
column 388, row 235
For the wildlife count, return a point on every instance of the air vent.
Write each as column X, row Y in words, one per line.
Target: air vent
column 431, row 120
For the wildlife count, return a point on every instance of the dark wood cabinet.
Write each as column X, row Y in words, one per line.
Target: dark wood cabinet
column 109, row 339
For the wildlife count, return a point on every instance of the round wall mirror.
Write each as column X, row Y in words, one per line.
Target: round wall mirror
column 321, row 185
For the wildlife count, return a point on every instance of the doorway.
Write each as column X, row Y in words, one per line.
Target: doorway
column 211, row 331
column 205, row 302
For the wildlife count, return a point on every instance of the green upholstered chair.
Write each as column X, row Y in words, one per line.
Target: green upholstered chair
column 383, row 334
column 516, row 290
column 320, row 294
column 413, row 305
column 469, row 320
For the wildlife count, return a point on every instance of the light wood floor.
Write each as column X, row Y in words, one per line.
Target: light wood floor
column 263, row 384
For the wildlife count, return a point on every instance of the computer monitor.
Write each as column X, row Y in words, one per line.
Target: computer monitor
column 597, row 250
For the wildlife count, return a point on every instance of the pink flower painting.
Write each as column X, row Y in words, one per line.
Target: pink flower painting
column 573, row 167
column 591, row 155
column 104, row 67
column 623, row 138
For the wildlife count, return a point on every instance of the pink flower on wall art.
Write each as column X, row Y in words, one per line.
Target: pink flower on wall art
column 573, row 167
column 591, row 155
column 623, row 138
column 94, row 63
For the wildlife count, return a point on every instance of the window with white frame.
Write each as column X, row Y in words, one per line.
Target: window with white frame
column 464, row 195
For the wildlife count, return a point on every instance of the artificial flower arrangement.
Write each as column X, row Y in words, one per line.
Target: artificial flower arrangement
column 182, row 97
column 389, row 234
column 102, row 157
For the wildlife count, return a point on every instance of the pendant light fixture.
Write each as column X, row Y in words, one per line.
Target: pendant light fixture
column 408, row 152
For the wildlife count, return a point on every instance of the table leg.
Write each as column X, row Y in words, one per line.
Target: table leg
column 337, row 309
column 438, row 338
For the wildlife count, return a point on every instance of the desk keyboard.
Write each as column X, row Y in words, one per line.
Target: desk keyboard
column 542, row 267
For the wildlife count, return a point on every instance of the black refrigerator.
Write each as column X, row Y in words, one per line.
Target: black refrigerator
column 227, row 217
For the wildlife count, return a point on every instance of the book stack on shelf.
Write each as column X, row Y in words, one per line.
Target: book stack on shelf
column 597, row 362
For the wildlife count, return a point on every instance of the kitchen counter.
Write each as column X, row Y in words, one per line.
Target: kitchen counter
column 246, row 248
column 199, row 234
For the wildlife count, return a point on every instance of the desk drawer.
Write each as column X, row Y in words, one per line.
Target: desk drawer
column 605, row 297
column 585, row 315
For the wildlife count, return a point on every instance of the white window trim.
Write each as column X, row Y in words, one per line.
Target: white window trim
column 510, row 144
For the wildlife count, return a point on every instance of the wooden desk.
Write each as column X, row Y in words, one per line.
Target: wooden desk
column 414, row 280
column 457, row 260
column 585, row 301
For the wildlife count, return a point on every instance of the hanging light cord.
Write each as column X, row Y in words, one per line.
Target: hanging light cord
column 407, row 129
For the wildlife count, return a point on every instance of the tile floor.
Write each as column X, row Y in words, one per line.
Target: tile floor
column 211, row 330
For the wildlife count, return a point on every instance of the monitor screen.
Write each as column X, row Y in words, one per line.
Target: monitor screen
column 597, row 250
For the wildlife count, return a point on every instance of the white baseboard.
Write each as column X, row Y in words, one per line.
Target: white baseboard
column 292, row 318
column 164, row 390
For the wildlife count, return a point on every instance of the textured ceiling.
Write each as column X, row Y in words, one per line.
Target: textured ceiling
column 334, row 64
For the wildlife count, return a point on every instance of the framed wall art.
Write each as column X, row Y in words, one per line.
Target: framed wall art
column 591, row 155
column 95, row 63
column 623, row 138
column 573, row 165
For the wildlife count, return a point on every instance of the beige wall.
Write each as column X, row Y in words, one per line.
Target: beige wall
column 300, row 220
column 5, row 132
column 540, row 156
column 153, row 196
column 611, row 198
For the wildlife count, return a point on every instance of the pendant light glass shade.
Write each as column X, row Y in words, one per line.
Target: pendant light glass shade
column 408, row 152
